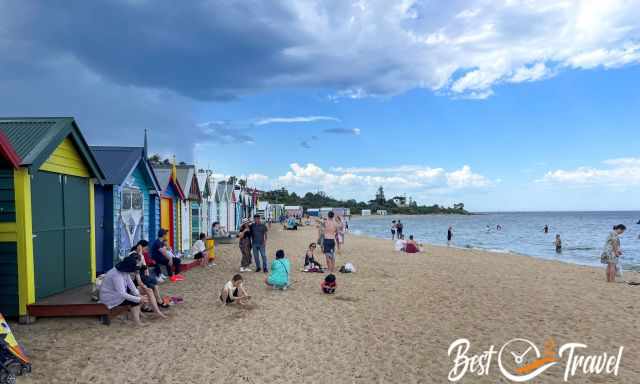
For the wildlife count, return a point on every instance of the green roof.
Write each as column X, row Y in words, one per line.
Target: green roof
column 35, row 138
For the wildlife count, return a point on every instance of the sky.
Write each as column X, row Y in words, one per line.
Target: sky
column 502, row 105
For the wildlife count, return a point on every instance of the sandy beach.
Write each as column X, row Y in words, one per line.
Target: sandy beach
column 390, row 322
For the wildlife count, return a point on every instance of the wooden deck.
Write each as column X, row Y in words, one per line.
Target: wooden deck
column 77, row 302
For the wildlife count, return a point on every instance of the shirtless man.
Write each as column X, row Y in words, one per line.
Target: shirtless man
column 329, row 242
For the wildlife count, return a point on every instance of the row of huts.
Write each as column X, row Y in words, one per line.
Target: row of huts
column 68, row 210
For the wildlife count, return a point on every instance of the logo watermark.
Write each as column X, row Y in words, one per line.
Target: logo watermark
column 520, row 360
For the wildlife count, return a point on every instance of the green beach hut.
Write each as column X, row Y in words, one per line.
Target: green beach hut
column 47, row 232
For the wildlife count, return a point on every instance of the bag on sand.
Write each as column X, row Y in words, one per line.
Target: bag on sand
column 347, row 268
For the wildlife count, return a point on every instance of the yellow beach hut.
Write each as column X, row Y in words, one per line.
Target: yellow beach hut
column 47, row 232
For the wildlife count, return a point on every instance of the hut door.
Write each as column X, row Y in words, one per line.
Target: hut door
column 77, row 232
column 131, row 223
column 61, row 229
column 166, row 218
column 48, row 233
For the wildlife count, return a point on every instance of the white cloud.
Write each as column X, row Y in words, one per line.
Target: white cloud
column 294, row 119
column 620, row 172
column 362, row 182
column 533, row 73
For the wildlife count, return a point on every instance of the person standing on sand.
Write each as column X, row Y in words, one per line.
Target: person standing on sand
column 612, row 251
column 245, row 246
column 329, row 248
column 449, row 235
column 393, row 229
column 259, row 243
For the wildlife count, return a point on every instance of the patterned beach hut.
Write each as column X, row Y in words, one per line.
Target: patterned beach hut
column 222, row 199
column 205, row 204
column 171, row 195
column 47, row 234
column 127, row 205
column 190, row 205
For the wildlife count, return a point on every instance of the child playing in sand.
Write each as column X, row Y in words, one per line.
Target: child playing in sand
column 234, row 292
column 310, row 263
column 329, row 285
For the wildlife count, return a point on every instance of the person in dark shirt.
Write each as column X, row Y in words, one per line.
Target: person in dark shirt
column 162, row 256
column 259, row 243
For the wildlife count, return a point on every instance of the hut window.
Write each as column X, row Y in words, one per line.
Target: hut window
column 131, row 199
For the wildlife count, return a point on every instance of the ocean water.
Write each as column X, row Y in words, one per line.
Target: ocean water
column 583, row 233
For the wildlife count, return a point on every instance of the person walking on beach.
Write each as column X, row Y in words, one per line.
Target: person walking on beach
column 245, row 246
column 449, row 235
column 259, row 243
column 612, row 252
column 393, row 229
column 329, row 248
column 558, row 244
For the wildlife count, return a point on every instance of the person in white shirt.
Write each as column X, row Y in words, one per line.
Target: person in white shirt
column 118, row 289
column 233, row 292
column 199, row 250
column 400, row 243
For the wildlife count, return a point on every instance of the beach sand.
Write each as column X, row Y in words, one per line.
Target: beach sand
column 391, row 322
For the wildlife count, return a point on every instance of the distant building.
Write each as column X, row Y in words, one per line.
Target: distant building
column 381, row 212
column 399, row 201
column 366, row 212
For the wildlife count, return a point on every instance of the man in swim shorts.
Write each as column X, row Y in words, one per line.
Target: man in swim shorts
column 329, row 242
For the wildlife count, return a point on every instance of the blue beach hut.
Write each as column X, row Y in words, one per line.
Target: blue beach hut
column 127, row 205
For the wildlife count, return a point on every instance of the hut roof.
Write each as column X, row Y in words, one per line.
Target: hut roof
column 34, row 139
column 163, row 174
column 118, row 163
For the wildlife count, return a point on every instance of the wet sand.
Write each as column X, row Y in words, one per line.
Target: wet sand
column 390, row 322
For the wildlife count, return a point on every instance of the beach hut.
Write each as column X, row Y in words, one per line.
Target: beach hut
column 189, row 207
column 231, row 207
column 208, row 197
column 47, row 233
column 314, row 212
column 222, row 199
column 381, row 212
column 366, row 212
column 293, row 210
column 171, row 195
column 324, row 211
column 127, row 204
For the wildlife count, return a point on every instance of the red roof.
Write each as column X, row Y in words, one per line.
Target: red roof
column 8, row 152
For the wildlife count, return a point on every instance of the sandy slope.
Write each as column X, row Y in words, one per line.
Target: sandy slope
column 392, row 321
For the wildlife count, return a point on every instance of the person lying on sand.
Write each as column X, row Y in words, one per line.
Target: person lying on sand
column 400, row 243
column 279, row 276
column 233, row 292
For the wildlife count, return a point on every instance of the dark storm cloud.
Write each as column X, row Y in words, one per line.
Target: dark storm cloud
column 200, row 49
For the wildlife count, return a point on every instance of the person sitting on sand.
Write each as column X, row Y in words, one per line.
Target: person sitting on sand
column 219, row 231
column 146, row 282
column 411, row 246
column 199, row 250
column 400, row 243
column 117, row 288
column 558, row 244
column 329, row 285
column 233, row 292
column 310, row 263
column 280, row 267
